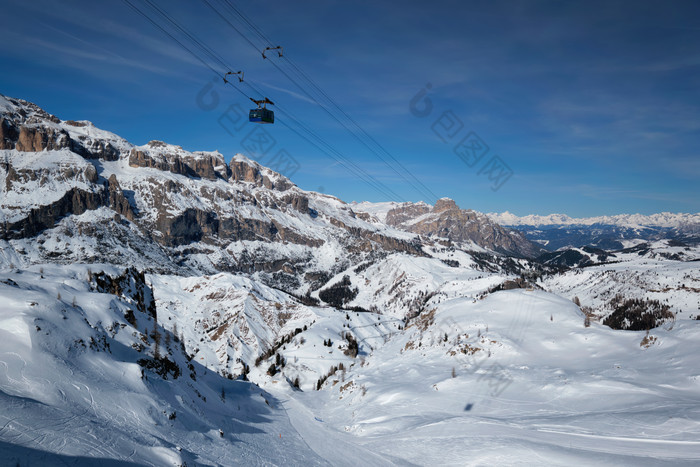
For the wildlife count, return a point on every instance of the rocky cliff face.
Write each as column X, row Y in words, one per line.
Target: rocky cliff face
column 167, row 157
column 447, row 221
column 28, row 128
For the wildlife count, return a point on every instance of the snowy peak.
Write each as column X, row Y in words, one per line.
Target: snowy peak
column 28, row 128
column 25, row 127
column 380, row 210
column 444, row 204
column 258, row 323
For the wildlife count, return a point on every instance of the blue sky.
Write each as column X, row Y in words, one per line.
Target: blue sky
column 592, row 107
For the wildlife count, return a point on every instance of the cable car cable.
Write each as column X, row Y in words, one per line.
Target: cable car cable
column 344, row 160
column 207, row 50
column 357, row 125
column 367, row 178
column 305, row 76
column 424, row 190
column 137, row 10
column 184, row 47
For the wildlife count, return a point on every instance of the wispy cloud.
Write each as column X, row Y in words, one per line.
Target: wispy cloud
column 289, row 92
column 97, row 38
column 106, row 57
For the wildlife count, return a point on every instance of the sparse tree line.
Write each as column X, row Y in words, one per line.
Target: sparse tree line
column 272, row 350
column 333, row 369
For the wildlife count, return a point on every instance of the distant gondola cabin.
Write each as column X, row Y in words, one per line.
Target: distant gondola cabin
column 261, row 115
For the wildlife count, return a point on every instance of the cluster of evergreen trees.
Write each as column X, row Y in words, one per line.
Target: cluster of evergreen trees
column 637, row 314
column 339, row 293
column 280, row 362
column 353, row 346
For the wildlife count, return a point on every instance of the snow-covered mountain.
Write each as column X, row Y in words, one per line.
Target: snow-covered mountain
column 164, row 307
column 74, row 192
column 89, row 377
column 448, row 222
column 647, row 271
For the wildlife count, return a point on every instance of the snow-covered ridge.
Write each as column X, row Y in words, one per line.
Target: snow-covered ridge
column 380, row 210
column 663, row 219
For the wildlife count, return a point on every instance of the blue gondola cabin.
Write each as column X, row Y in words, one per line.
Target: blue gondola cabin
column 261, row 115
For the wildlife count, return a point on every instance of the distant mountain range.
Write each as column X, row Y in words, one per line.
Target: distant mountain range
column 664, row 219
column 556, row 231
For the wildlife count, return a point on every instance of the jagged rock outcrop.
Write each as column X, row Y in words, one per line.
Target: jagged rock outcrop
column 142, row 159
column 166, row 157
column 406, row 212
column 189, row 226
column 297, row 201
column 27, row 127
column 245, row 171
column 23, row 175
column 117, row 201
column 8, row 134
column 130, row 285
column 39, row 138
column 91, row 148
column 209, row 167
column 447, row 220
column 445, row 204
